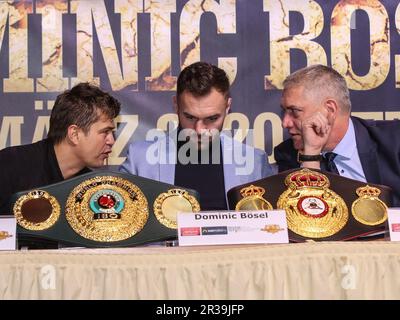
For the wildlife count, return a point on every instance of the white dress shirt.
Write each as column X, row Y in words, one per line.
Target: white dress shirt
column 347, row 160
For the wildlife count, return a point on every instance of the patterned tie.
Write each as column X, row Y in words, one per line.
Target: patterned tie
column 330, row 165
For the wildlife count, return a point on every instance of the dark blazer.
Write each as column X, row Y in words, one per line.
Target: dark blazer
column 378, row 144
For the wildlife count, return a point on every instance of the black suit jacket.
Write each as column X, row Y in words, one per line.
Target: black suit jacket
column 378, row 144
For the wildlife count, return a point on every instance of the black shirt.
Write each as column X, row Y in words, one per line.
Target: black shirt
column 27, row 167
column 207, row 179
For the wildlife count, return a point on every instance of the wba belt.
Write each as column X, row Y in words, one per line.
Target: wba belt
column 319, row 205
column 102, row 209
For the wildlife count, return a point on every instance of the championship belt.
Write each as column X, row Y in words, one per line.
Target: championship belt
column 101, row 209
column 319, row 206
column 312, row 209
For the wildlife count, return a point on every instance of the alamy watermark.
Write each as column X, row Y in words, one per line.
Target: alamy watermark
column 47, row 277
column 202, row 147
column 349, row 280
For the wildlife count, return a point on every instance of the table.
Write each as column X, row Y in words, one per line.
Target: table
column 329, row 270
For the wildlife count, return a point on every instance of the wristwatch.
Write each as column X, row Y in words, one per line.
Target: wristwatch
column 305, row 157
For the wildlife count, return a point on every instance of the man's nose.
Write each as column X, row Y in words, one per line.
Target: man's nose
column 287, row 121
column 199, row 126
column 110, row 138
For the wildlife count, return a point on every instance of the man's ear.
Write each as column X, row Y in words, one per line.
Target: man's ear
column 228, row 105
column 332, row 107
column 73, row 134
column 175, row 102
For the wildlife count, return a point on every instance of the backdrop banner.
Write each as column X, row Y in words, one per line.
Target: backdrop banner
column 135, row 49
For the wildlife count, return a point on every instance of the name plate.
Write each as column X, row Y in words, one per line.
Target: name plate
column 8, row 231
column 232, row 227
column 394, row 223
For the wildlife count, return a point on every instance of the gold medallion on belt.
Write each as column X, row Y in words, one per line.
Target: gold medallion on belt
column 253, row 199
column 169, row 203
column 107, row 209
column 36, row 210
column 312, row 209
column 368, row 209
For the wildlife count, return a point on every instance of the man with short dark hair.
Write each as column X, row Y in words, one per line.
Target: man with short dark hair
column 198, row 155
column 80, row 137
column 316, row 105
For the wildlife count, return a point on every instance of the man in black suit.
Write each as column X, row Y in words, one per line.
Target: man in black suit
column 316, row 106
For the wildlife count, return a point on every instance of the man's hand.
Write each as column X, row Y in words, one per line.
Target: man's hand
column 315, row 131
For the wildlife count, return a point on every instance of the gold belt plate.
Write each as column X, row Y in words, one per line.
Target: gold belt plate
column 107, row 209
column 312, row 209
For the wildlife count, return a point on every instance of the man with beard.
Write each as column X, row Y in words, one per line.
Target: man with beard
column 198, row 155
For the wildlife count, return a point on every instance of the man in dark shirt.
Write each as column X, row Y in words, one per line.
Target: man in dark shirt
column 80, row 137
column 199, row 155
column 207, row 179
